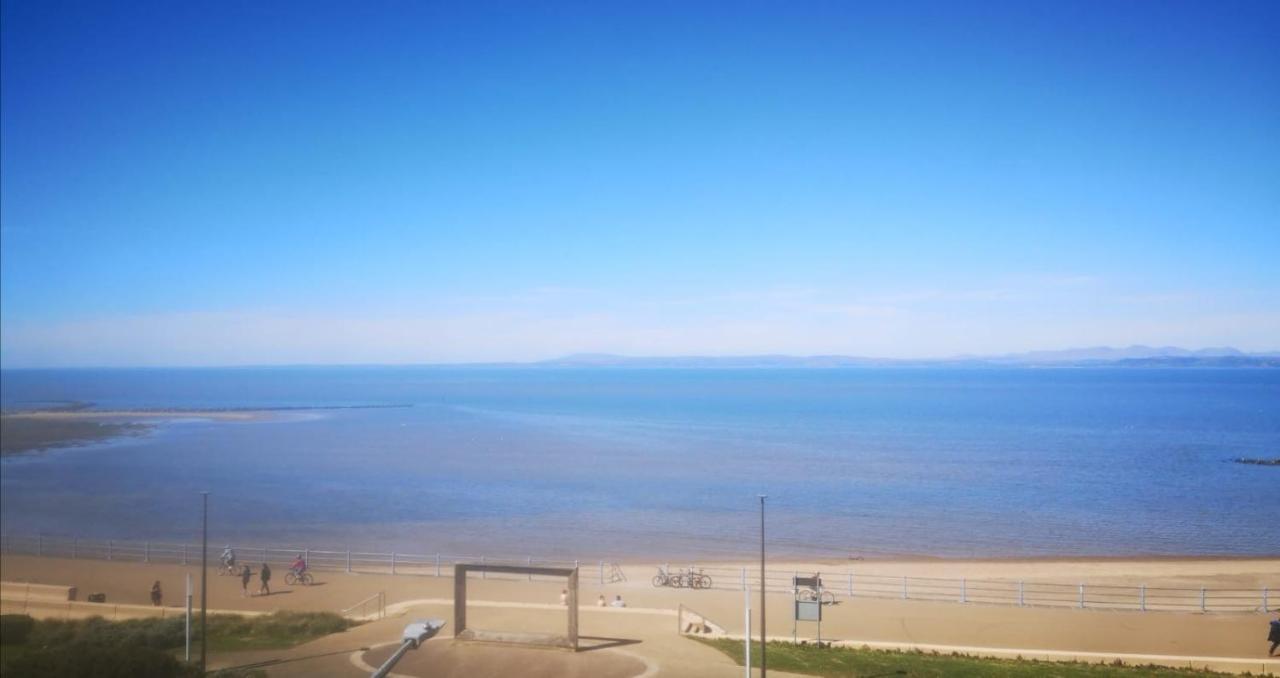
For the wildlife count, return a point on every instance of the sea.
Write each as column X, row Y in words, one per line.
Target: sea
column 669, row 463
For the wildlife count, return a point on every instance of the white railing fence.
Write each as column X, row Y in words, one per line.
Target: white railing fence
column 851, row 584
column 841, row 584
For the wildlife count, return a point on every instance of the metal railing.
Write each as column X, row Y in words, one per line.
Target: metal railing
column 846, row 583
column 345, row 560
column 1020, row 593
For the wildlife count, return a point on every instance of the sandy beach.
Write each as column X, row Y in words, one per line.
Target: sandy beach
column 1227, row 641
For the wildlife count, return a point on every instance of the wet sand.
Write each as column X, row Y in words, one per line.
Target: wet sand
column 33, row 431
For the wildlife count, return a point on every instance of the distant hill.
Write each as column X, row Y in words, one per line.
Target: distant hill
column 1132, row 356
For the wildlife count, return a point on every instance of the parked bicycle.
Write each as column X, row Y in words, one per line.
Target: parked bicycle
column 685, row 579
column 810, row 595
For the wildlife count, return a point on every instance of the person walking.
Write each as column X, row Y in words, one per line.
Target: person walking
column 157, row 595
column 245, row 575
column 265, row 575
column 1274, row 637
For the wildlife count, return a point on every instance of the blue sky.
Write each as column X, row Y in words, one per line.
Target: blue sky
column 249, row 183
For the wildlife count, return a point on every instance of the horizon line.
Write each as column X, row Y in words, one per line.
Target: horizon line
column 550, row 362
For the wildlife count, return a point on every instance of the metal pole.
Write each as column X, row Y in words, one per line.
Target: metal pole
column 964, row 591
column 1202, row 600
column 602, row 573
column 1142, row 597
column 1022, row 597
column 204, row 586
column 764, row 641
column 746, row 635
column 188, row 656
column 1082, row 595
column 348, row 561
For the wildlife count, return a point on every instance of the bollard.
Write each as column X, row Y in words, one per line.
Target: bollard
column 348, row 561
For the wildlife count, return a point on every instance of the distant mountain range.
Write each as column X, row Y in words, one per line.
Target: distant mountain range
column 1132, row 356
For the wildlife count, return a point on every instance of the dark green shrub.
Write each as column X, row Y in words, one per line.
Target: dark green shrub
column 15, row 628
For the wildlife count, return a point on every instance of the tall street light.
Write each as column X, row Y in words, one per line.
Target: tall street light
column 204, row 583
column 764, row 664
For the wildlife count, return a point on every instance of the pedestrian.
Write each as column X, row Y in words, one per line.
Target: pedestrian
column 245, row 575
column 600, row 601
column 156, row 594
column 617, row 602
column 1274, row 637
column 564, row 596
column 265, row 590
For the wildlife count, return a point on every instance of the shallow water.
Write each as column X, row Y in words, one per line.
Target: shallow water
column 618, row 463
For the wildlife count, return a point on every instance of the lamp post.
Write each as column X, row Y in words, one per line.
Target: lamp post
column 204, row 584
column 764, row 665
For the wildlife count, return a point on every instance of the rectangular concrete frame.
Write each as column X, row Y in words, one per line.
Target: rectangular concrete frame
column 567, row 641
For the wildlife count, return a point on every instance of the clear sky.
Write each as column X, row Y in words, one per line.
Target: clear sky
column 246, row 183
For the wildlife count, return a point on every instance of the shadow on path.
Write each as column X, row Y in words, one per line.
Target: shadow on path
column 589, row 643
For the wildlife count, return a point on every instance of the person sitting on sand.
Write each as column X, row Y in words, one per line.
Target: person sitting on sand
column 1274, row 637
column 617, row 602
column 265, row 589
column 157, row 595
column 600, row 601
column 245, row 575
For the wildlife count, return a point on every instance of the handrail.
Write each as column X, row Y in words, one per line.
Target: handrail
column 847, row 583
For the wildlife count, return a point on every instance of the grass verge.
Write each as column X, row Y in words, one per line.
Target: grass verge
column 144, row 647
column 843, row 662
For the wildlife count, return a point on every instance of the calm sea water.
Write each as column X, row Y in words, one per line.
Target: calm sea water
column 668, row 463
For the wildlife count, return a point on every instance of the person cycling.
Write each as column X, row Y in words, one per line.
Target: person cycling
column 299, row 565
column 228, row 558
